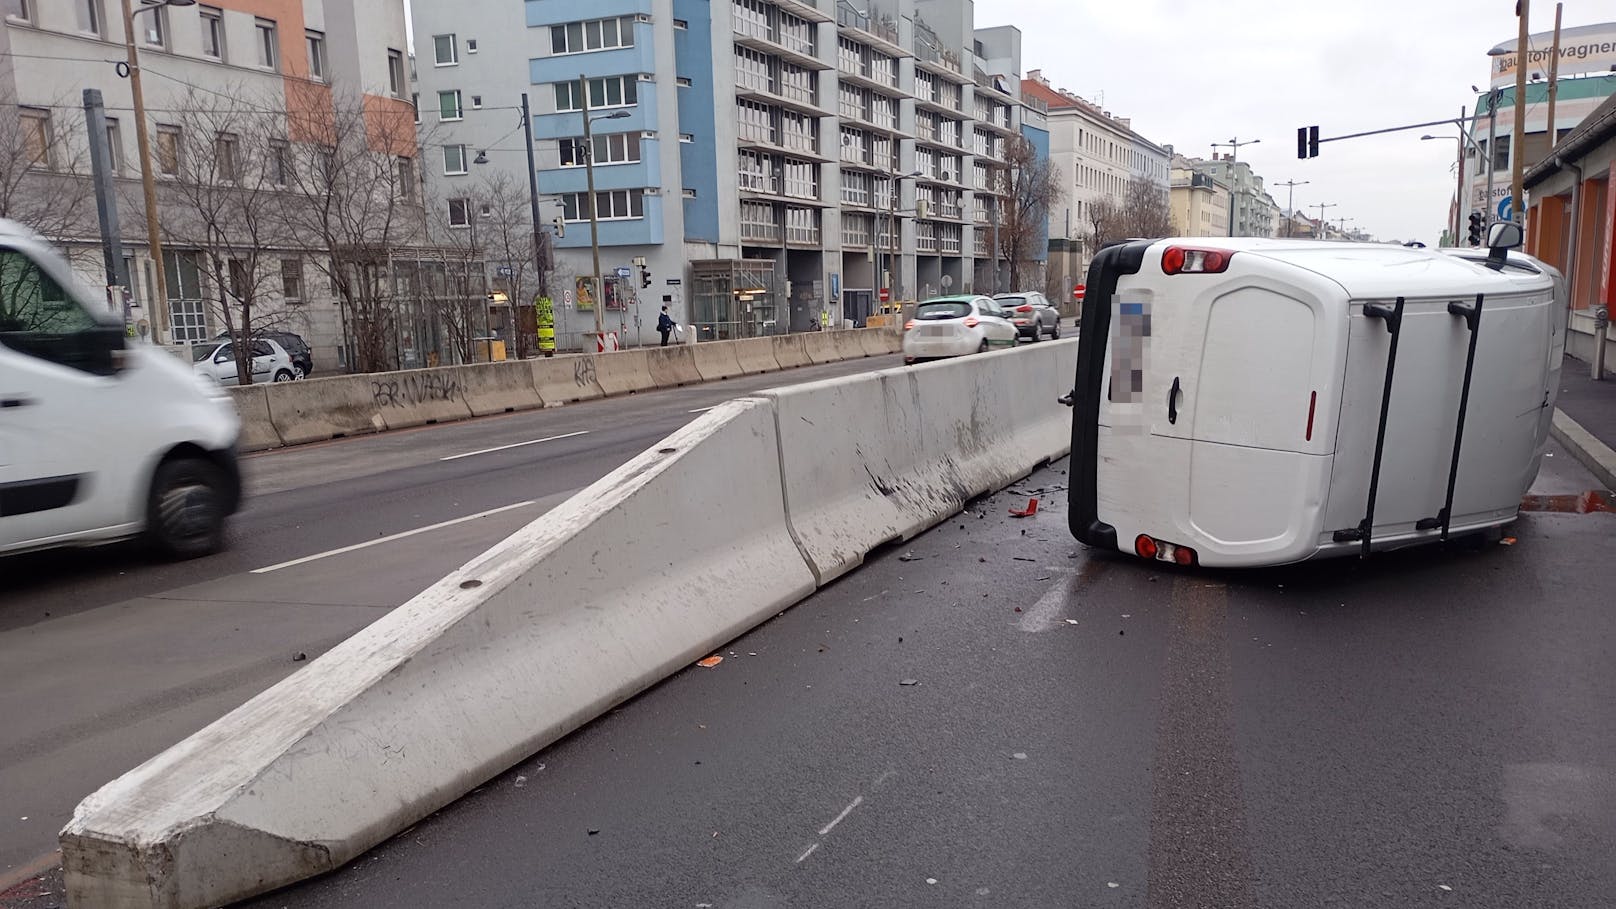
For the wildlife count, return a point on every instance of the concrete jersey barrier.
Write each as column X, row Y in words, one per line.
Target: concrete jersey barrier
column 523, row 645
column 673, row 366
column 416, row 397
column 257, row 429
column 623, row 372
column 563, row 380
column 314, row 410
column 490, row 388
column 717, row 360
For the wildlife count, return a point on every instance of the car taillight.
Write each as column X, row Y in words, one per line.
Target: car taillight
column 1189, row 260
column 971, row 322
column 909, row 324
column 1027, row 308
column 1148, row 547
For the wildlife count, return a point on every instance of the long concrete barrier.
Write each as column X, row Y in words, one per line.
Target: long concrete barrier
column 318, row 409
column 257, row 429
column 717, row 360
column 755, row 355
column 564, row 380
column 790, row 352
column 673, row 365
column 879, row 342
column 416, row 397
column 847, row 344
column 490, row 388
column 880, row 457
column 518, row 648
column 821, row 347
column 623, row 372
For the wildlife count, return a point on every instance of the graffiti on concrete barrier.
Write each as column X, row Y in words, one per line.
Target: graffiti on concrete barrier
column 583, row 371
column 414, row 390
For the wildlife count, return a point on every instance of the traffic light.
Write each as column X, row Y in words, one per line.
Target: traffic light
column 645, row 277
column 1477, row 223
column 1307, row 142
column 560, row 226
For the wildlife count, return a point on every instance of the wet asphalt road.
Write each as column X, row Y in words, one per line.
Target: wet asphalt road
column 1430, row 728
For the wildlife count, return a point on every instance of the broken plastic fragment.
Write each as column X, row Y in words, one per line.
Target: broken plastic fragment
column 1507, row 541
column 1029, row 511
column 1071, row 621
column 710, row 662
column 907, row 682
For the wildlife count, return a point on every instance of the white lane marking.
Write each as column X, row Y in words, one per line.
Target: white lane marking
column 857, row 801
column 566, row 435
column 807, row 852
column 1045, row 614
column 397, row 536
column 887, row 775
column 702, row 409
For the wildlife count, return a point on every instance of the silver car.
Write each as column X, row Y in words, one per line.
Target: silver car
column 1034, row 318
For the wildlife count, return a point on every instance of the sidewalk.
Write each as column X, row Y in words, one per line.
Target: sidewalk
column 1585, row 419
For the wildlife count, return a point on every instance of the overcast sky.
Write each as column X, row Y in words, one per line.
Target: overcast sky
column 1193, row 72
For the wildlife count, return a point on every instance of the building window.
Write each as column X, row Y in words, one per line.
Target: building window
column 280, row 166
column 616, row 148
column 415, row 104
column 212, row 32
column 454, row 159
column 449, row 105
column 114, row 145
column 316, row 43
column 476, row 102
column 224, row 163
column 611, row 91
column 444, row 50
column 36, row 137
column 471, row 45
column 593, row 35
column 395, row 73
column 459, row 213
column 268, row 55
column 292, row 280
column 613, row 205
column 168, row 150
column 236, row 274
column 406, row 179
column 19, row 10
column 157, row 27
column 90, row 16
column 680, row 24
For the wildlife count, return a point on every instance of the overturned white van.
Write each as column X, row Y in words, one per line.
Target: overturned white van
column 1246, row 401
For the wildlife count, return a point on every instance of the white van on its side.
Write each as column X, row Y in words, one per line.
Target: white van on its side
column 101, row 438
column 1244, row 402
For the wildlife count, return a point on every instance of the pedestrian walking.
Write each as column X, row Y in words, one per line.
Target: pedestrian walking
column 664, row 325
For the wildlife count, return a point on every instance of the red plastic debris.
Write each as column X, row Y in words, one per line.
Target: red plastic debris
column 1029, row 511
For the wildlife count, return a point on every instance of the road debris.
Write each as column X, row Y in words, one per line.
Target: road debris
column 910, row 557
column 1071, row 621
column 521, row 781
column 714, row 660
column 909, row 682
column 1507, row 541
column 1020, row 755
column 1029, row 511
column 299, row 657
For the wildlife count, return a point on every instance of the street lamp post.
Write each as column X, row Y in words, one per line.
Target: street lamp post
column 1458, row 194
column 148, row 183
column 1290, row 201
column 892, row 234
column 1323, row 228
column 594, row 220
column 1234, row 157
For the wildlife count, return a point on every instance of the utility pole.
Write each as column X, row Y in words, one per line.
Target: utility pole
column 1323, row 228
column 1554, row 76
column 106, row 202
column 1234, row 188
column 1290, row 201
column 1493, row 96
column 594, row 221
column 148, row 184
column 1517, row 156
column 538, row 232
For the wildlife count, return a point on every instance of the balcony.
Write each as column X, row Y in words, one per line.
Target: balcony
column 762, row 38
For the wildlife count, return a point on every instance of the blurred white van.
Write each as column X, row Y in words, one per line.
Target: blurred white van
column 101, row 437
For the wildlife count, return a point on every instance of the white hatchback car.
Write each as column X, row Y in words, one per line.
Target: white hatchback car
column 270, row 362
column 954, row 326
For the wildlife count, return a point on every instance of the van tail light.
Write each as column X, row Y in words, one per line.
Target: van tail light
column 1148, row 547
column 971, row 322
column 909, row 324
column 1024, row 308
column 1193, row 260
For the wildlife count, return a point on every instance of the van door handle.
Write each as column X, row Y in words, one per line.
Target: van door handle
column 1172, row 402
column 15, row 402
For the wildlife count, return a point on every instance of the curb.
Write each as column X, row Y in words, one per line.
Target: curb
column 1585, row 447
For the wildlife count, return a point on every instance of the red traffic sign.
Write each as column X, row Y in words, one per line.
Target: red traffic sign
column 885, row 295
column 1077, row 293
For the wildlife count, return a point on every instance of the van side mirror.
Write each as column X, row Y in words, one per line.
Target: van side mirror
column 1503, row 235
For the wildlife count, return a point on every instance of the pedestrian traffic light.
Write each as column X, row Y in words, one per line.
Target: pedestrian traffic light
column 1477, row 222
column 1307, row 142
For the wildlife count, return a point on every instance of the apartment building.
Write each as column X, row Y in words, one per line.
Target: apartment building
column 1096, row 155
column 1200, row 203
column 1254, row 212
column 775, row 164
column 235, row 92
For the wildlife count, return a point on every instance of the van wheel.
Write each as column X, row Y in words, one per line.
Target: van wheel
column 284, row 375
column 185, row 513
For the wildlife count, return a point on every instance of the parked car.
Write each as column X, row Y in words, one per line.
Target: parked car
column 953, row 326
column 270, row 362
column 1032, row 314
column 296, row 347
column 101, row 437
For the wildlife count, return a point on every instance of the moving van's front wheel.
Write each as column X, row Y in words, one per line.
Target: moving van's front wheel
column 186, row 511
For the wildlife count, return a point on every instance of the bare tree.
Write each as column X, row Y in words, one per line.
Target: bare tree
column 454, row 276
column 1029, row 188
column 506, row 224
column 44, row 170
column 1145, row 211
column 357, row 201
column 227, row 204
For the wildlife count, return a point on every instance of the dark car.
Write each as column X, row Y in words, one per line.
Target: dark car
column 296, row 348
